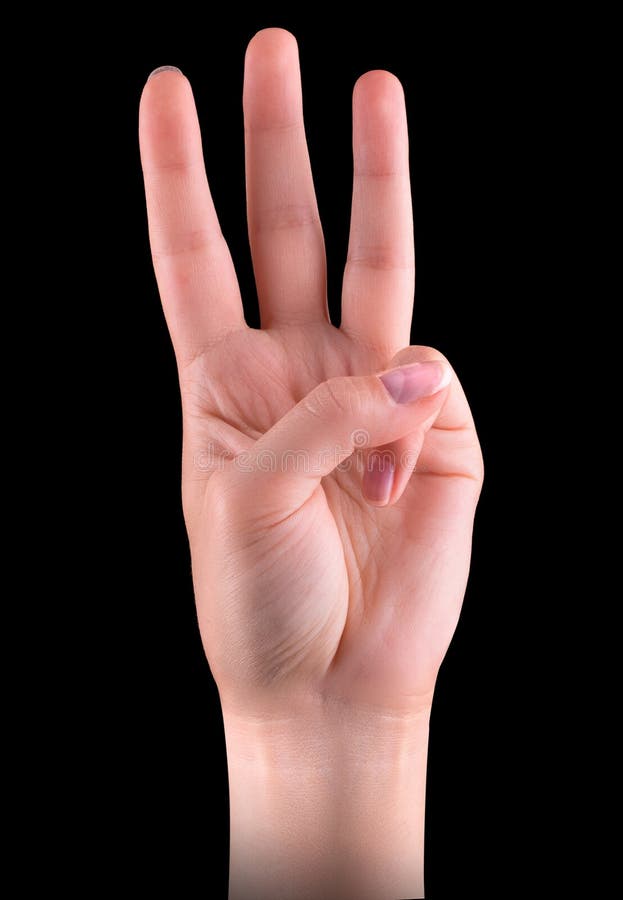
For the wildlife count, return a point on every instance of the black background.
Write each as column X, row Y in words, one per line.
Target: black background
column 151, row 750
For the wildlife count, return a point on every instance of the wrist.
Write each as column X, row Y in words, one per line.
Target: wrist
column 327, row 800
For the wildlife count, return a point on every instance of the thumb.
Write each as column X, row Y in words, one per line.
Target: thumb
column 285, row 466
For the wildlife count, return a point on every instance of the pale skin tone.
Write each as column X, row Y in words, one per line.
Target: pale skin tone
column 327, row 596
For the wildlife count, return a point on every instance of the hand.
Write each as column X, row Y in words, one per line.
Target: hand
column 329, row 575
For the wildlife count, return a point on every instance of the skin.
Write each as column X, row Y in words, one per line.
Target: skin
column 325, row 608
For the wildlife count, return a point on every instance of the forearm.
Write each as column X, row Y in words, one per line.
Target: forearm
column 327, row 804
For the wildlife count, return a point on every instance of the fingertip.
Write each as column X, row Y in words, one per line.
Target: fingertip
column 380, row 136
column 272, row 46
column 378, row 477
column 162, row 69
column 378, row 86
column 272, row 81
column 164, row 88
column 168, row 128
column 446, row 376
column 377, row 504
column 163, row 80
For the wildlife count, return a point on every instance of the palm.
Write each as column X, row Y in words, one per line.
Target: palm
column 372, row 612
column 347, row 541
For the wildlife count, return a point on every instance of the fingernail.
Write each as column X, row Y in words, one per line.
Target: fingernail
column 164, row 69
column 378, row 478
column 408, row 383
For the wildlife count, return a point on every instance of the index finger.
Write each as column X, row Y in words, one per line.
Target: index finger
column 193, row 266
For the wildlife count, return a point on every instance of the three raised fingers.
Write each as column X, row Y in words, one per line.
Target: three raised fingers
column 193, row 266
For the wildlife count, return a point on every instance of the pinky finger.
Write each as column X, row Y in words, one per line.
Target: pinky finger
column 387, row 469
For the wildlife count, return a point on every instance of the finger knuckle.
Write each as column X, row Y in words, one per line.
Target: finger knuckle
column 330, row 397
